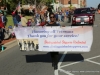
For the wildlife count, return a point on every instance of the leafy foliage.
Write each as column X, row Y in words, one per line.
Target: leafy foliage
column 13, row 3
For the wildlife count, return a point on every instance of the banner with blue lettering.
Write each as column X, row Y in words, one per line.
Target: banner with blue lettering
column 52, row 39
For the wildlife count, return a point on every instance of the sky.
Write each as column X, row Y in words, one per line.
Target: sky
column 92, row 3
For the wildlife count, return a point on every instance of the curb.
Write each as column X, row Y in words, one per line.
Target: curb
column 9, row 45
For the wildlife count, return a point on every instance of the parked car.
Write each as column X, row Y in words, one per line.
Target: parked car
column 83, row 16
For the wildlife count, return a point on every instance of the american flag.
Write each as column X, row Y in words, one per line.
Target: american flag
column 18, row 6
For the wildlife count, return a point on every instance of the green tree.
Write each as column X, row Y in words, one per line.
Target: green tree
column 47, row 2
column 39, row 3
column 44, row 2
column 23, row 2
column 13, row 4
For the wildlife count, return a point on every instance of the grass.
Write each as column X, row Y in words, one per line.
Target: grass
column 10, row 20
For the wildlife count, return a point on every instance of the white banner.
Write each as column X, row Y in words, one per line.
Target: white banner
column 71, row 39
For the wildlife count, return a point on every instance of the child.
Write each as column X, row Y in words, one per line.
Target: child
column 29, row 22
column 10, row 29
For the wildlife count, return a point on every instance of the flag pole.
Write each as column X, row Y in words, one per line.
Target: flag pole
column 19, row 7
column 35, row 6
column 53, row 4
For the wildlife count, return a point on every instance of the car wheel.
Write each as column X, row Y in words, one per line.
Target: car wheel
column 91, row 24
column 73, row 25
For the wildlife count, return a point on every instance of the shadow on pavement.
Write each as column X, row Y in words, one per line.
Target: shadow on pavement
column 45, row 58
column 38, row 58
column 81, row 25
column 73, row 58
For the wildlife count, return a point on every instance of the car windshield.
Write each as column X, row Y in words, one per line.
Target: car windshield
column 82, row 11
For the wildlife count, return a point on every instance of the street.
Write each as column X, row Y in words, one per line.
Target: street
column 15, row 62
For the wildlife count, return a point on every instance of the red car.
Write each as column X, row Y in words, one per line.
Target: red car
column 83, row 16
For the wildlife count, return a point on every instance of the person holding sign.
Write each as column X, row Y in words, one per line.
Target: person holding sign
column 54, row 55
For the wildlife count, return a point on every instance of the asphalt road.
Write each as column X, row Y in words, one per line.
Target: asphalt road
column 15, row 62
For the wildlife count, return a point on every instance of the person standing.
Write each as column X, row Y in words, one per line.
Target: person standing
column 29, row 23
column 63, row 14
column 59, row 16
column 38, row 21
column 67, row 12
column 54, row 55
column 56, row 15
column 18, row 17
column 4, row 18
column 14, row 18
column 23, row 21
column 2, row 30
column 33, row 21
column 48, row 19
column 69, row 17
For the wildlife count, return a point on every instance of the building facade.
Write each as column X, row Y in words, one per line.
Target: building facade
column 64, row 4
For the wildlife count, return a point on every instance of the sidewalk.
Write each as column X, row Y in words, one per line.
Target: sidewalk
column 6, row 41
column 7, row 44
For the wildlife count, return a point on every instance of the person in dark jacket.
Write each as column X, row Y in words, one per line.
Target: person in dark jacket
column 56, row 15
column 54, row 55
column 69, row 17
column 2, row 30
column 4, row 18
column 14, row 18
column 18, row 17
